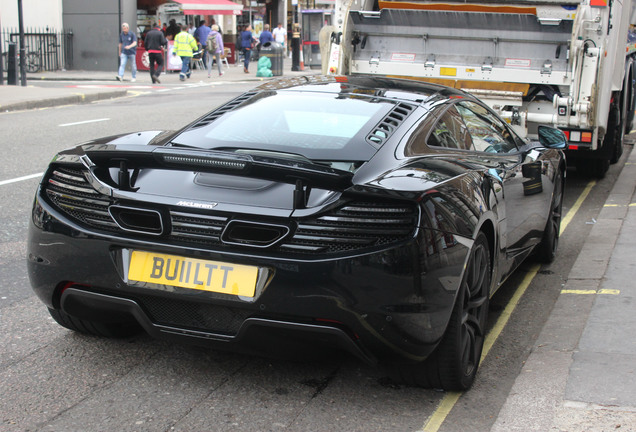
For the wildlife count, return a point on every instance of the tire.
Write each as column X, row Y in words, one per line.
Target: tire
column 546, row 250
column 596, row 168
column 614, row 136
column 453, row 365
column 32, row 64
column 109, row 330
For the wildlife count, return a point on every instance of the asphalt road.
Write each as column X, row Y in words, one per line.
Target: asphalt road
column 53, row 379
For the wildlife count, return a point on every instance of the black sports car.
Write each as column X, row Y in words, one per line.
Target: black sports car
column 372, row 215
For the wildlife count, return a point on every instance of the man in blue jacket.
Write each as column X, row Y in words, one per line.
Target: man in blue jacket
column 201, row 35
column 127, row 52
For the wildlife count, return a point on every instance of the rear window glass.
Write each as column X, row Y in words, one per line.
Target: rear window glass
column 316, row 125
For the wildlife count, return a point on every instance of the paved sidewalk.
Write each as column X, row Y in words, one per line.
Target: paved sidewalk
column 581, row 374
column 37, row 95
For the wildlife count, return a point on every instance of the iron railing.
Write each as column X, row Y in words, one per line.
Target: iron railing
column 52, row 49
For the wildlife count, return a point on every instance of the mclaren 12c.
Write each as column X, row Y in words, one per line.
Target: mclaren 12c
column 372, row 215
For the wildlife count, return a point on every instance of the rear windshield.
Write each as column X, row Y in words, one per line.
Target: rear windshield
column 319, row 126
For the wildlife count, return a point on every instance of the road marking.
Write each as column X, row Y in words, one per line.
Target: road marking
column 84, row 122
column 17, row 179
column 587, row 292
column 448, row 402
column 577, row 205
column 620, row 205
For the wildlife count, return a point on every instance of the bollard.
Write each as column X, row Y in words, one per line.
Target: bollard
column 12, row 64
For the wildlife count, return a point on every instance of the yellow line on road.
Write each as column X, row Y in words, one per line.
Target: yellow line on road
column 587, row 292
column 577, row 205
column 444, row 408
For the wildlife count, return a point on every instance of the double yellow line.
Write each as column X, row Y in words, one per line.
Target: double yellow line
column 448, row 402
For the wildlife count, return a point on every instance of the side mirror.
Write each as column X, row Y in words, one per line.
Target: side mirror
column 552, row 137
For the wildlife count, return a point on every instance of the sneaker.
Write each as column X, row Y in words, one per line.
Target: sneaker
column 188, row 74
column 208, row 75
column 118, row 78
column 181, row 77
column 133, row 80
column 154, row 80
column 221, row 74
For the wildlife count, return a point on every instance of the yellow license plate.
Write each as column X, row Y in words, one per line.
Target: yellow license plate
column 193, row 273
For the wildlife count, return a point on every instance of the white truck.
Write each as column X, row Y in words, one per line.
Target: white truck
column 566, row 63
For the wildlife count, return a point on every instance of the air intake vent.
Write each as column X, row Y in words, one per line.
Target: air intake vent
column 387, row 126
column 353, row 227
column 196, row 228
column 223, row 109
column 72, row 194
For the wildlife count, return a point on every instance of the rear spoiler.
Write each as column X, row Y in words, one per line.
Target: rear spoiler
column 127, row 158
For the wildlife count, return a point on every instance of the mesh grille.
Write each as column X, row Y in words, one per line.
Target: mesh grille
column 355, row 226
column 68, row 189
column 352, row 227
column 195, row 316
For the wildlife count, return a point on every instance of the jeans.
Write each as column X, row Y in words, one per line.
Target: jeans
column 123, row 59
column 217, row 57
column 185, row 65
column 247, row 53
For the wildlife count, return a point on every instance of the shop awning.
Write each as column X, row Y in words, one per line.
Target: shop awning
column 210, row 7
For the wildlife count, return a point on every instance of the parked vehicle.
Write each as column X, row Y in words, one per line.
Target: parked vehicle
column 372, row 215
column 567, row 63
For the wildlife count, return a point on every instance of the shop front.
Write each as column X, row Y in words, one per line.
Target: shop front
column 164, row 13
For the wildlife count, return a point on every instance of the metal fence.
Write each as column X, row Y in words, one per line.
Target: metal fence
column 46, row 49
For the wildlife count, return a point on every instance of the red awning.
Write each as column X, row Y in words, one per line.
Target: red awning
column 210, row 7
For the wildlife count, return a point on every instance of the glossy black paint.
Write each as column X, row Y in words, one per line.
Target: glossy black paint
column 388, row 296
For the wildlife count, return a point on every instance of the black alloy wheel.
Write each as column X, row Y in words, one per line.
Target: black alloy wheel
column 546, row 250
column 454, row 363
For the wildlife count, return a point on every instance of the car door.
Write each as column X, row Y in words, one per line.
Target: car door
column 521, row 174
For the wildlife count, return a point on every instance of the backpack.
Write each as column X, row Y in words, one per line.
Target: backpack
column 212, row 43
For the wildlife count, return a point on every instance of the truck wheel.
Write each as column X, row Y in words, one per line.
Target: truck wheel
column 614, row 136
column 593, row 167
column 453, row 364
column 109, row 330
column 627, row 102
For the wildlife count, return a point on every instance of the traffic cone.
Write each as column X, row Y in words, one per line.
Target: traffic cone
column 302, row 61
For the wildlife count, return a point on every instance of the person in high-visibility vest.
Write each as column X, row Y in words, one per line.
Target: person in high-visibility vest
column 184, row 45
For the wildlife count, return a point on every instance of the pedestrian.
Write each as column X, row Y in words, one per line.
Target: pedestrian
column 213, row 22
column 266, row 35
column 155, row 43
column 280, row 35
column 215, row 49
column 184, row 45
column 127, row 52
column 172, row 30
column 201, row 35
column 247, row 41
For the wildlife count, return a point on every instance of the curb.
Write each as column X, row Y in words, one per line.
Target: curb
column 63, row 100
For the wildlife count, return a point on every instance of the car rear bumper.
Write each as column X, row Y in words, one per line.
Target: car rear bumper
column 391, row 304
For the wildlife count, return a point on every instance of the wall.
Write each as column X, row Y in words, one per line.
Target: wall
column 96, row 26
column 35, row 14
